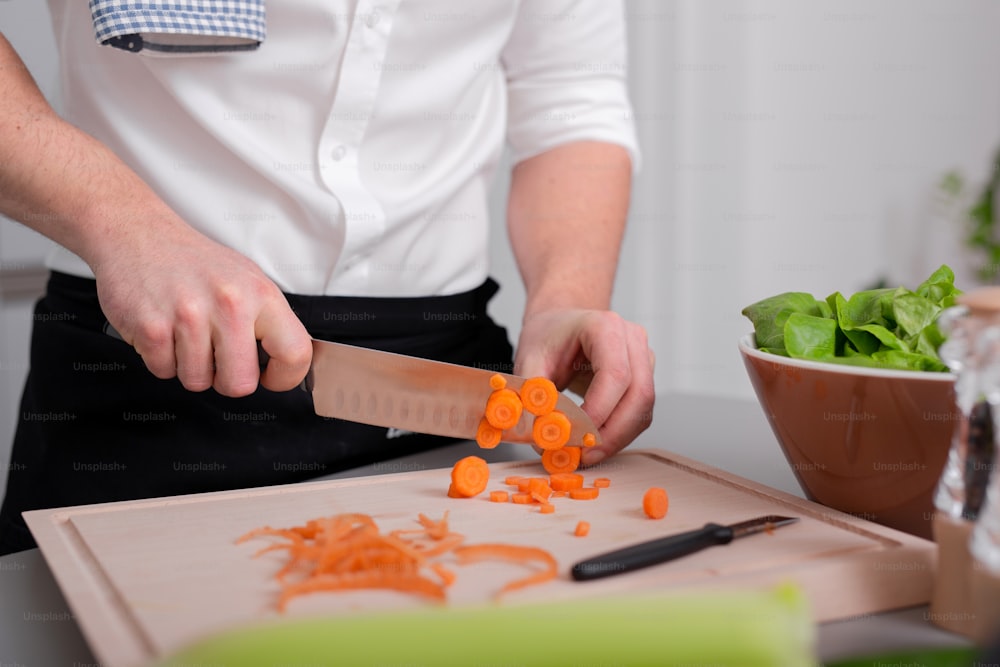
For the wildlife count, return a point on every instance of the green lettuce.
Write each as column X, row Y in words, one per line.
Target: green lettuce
column 884, row 328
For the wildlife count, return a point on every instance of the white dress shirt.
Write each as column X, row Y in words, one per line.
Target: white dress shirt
column 353, row 152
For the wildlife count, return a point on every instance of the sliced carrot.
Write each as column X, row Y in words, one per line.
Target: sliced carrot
column 497, row 382
column 499, row 496
column 523, row 498
column 589, row 493
column 539, row 395
column 546, row 508
column 511, row 553
column 503, row 409
column 589, row 439
column 565, row 481
column 582, row 529
column 469, row 476
column 559, row 494
column 602, row 482
column 512, row 480
column 551, row 431
column 524, row 484
column 540, row 490
column 655, row 502
column 564, row 459
column 487, row 435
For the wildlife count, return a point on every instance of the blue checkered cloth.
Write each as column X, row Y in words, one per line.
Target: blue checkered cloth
column 195, row 26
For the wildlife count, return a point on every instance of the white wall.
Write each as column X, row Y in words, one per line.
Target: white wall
column 787, row 146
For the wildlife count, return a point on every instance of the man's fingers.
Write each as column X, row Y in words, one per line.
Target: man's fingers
column 634, row 412
column 605, row 345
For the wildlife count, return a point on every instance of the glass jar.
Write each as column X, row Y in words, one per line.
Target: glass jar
column 972, row 353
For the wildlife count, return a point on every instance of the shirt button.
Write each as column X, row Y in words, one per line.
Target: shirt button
column 339, row 152
column 373, row 18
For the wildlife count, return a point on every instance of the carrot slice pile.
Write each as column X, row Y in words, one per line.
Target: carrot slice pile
column 469, row 477
column 565, row 481
column 539, row 395
column 562, row 460
column 551, row 431
column 655, row 502
column 503, row 409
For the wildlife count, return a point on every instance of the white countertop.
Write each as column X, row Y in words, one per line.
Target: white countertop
column 37, row 627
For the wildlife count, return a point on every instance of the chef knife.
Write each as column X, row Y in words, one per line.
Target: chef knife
column 420, row 395
column 412, row 394
column 671, row 547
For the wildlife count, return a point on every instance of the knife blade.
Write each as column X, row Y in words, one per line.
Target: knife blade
column 672, row 547
column 411, row 394
column 399, row 391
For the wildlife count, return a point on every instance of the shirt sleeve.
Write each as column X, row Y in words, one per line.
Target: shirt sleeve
column 566, row 68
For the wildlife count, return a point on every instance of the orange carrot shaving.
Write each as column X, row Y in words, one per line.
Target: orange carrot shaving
column 399, row 581
column 503, row 409
column 565, row 481
column 589, row 493
column 348, row 552
column 546, row 508
column 540, row 490
column 469, row 476
column 447, row 576
column 511, row 553
column 488, row 436
column 551, row 431
column 582, row 529
column 436, row 530
column 497, row 382
column 589, row 439
column 655, row 502
column 564, row 459
column 602, row 482
column 499, row 496
column 539, row 395
column 523, row 498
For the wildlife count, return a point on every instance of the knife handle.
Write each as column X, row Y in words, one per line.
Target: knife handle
column 262, row 356
column 653, row 552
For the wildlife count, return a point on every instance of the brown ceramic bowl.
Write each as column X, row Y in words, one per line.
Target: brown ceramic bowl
column 867, row 441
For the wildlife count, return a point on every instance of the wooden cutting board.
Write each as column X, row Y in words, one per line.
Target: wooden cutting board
column 144, row 578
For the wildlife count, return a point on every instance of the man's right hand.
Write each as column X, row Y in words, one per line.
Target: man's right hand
column 192, row 308
column 195, row 310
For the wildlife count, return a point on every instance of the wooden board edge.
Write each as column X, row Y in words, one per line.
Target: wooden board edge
column 110, row 630
column 849, row 522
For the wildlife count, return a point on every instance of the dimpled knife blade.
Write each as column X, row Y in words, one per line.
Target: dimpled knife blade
column 411, row 394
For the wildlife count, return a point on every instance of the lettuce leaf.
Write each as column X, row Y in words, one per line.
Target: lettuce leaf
column 883, row 328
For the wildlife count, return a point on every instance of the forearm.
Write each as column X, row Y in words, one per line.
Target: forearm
column 566, row 218
column 60, row 181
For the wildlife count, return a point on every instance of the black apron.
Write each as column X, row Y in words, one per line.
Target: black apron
column 96, row 426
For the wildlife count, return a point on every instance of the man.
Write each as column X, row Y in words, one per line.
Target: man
column 208, row 193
